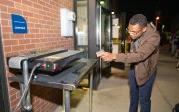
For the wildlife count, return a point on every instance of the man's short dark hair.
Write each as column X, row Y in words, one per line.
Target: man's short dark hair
column 138, row 19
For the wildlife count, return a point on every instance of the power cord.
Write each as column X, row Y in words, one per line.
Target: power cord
column 27, row 88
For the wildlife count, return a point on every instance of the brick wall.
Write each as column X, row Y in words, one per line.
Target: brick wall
column 43, row 21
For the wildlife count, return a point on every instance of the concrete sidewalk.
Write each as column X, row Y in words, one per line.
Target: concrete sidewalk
column 113, row 92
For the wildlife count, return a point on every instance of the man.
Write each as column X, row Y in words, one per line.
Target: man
column 143, row 58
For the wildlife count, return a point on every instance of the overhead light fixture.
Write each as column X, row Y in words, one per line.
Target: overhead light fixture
column 102, row 2
column 157, row 18
column 112, row 12
column 156, row 21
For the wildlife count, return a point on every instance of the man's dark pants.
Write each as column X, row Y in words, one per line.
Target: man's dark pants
column 140, row 94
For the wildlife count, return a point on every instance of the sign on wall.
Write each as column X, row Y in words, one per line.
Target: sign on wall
column 19, row 24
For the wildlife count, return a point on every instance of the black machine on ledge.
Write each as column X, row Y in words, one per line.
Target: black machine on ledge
column 58, row 62
column 51, row 62
column 60, row 68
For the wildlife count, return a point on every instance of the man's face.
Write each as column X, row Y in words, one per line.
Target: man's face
column 135, row 31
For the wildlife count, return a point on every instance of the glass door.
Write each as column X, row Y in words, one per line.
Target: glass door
column 104, row 36
column 82, row 25
column 93, row 32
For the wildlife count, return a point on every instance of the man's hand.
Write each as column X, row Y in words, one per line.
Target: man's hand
column 99, row 53
column 106, row 56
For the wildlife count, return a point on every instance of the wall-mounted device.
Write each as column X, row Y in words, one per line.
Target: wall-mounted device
column 67, row 18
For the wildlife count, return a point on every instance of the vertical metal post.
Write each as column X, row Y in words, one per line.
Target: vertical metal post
column 63, row 101
column 66, row 100
column 92, row 48
column 91, row 91
column 4, row 95
column 100, row 39
column 110, row 33
column 100, row 27
column 26, row 102
column 75, row 24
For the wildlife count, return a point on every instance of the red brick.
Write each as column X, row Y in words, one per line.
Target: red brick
column 34, row 30
column 41, row 2
column 24, row 41
column 29, row 36
column 27, row 2
column 6, row 36
column 13, row 97
column 35, row 40
column 10, row 42
column 39, row 6
column 3, row 8
column 18, row 48
column 14, row 102
column 5, row 23
column 5, row 16
column 28, row 14
column 30, row 46
column 31, row 25
column 8, row 3
column 14, row 10
column 7, row 29
column 18, row 36
column 19, row 1
column 44, row 34
column 8, row 49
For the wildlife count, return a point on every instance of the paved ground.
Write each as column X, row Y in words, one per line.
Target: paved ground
column 113, row 92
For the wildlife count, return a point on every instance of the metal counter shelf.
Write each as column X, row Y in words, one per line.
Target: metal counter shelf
column 67, row 80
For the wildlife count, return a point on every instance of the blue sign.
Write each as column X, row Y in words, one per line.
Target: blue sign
column 19, row 24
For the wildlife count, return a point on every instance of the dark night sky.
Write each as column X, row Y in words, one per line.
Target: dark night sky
column 150, row 8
